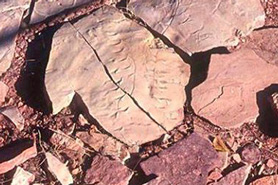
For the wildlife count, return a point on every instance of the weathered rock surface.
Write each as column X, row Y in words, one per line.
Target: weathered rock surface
column 250, row 153
column 14, row 115
column 3, row 91
column 268, row 180
column 265, row 43
column 133, row 84
column 237, row 177
column 274, row 103
column 228, row 97
column 183, row 163
column 22, row 177
column 11, row 13
column 45, row 8
column 104, row 171
column 194, row 25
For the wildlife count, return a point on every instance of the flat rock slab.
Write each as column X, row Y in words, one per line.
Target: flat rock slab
column 131, row 83
column 46, row 8
column 228, row 97
column 11, row 13
column 200, row 25
column 187, row 162
column 237, row 176
column 265, row 43
column 3, row 91
column 104, row 171
column 268, row 180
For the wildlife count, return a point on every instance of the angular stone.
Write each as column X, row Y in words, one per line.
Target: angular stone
column 45, row 8
column 131, row 86
column 22, row 177
column 265, row 43
column 237, row 177
column 14, row 115
column 228, row 97
column 200, row 25
column 268, row 180
column 11, row 13
column 190, row 160
column 274, row 103
column 104, row 171
column 3, row 91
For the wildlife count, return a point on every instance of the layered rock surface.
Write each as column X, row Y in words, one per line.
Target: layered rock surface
column 194, row 26
column 11, row 13
column 130, row 82
column 228, row 97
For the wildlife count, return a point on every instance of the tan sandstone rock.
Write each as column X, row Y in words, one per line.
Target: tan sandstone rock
column 200, row 25
column 132, row 84
column 228, row 97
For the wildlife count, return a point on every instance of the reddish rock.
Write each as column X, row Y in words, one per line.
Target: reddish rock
column 229, row 95
column 190, row 160
column 236, row 177
column 274, row 103
column 268, row 180
column 104, row 171
column 3, row 91
column 250, row 153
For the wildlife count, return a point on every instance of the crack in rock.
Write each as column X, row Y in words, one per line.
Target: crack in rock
column 131, row 66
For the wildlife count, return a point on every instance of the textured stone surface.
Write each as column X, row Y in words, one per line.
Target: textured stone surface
column 135, row 85
column 11, row 13
column 3, row 91
column 22, row 177
column 187, row 162
column 46, row 8
column 104, row 171
column 194, row 26
column 251, row 153
column 274, row 103
column 265, row 43
column 237, row 176
column 228, row 97
column 268, row 180
column 14, row 115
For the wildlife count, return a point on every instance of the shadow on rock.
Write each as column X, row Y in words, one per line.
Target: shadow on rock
column 267, row 119
column 199, row 70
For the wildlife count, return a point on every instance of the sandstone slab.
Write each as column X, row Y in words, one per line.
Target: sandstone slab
column 11, row 13
column 200, row 25
column 265, row 43
column 45, row 8
column 187, row 162
column 131, row 83
column 104, row 171
column 228, row 97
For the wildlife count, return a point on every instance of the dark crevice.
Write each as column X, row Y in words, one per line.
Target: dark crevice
column 265, row 27
column 267, row 119
column 116, row 84
column 27, row 15
column 30, row 85
column 80, row 108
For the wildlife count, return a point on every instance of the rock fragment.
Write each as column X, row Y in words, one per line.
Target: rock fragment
column 3, row 92
column 190, row 160
column 229, row 95
column 274, row 103
column 12, row 156
column 22, row 177
column 11, row 13
column 237, row 176
column 58, row 169
column 250, row 153
column 131, row 83
column 44, row 8
column 104, row 171
column 268, row 180
column 14, row 115
column 200, row 25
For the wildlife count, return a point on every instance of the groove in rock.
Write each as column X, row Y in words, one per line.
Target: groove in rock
column 115, row 83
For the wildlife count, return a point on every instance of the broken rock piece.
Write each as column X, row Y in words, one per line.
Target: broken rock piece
column 228, row 97
column 190, row 160
column 104, row 171
column 3, row 91
column 14, row 115
column 274, row 103
column 11, row 13
column 58, row 169
column 45, row 8
column 22, row 177
column 268, row 180
column 200, row 25
column 131, row 83
column 15, row 155
column 237, row 176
